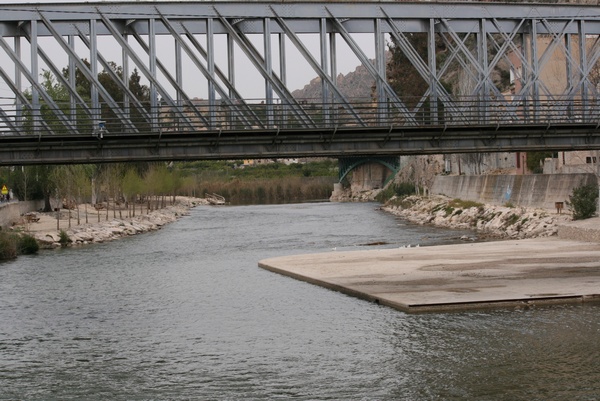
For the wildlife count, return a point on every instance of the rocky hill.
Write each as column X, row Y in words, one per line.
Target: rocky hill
column 355, row 85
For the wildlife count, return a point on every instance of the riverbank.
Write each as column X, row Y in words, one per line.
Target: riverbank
column 503, row 222
column 45, row 228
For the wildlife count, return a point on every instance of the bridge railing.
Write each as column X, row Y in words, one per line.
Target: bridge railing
column 306, row 114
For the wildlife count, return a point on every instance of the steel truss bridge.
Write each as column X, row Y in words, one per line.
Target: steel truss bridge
column 67, row 96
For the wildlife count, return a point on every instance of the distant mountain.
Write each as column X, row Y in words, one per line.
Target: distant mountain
column 355, row 85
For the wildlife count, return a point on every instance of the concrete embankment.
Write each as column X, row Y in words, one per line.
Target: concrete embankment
column 533, row 190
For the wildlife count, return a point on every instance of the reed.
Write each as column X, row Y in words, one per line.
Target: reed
column 271, row 191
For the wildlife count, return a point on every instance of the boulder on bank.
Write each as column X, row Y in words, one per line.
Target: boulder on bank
column 104, row 231
column 497, row 221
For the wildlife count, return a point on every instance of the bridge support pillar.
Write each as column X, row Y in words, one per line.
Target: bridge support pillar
column 369, row 172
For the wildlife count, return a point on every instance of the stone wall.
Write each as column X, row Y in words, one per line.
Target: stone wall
column 535, row 190
column 10, row 213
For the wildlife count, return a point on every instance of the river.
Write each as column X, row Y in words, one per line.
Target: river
column 184, row 313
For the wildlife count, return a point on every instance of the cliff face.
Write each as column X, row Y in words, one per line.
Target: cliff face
column 355, row 85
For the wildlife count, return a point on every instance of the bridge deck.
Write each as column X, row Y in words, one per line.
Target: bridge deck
column 139, row 74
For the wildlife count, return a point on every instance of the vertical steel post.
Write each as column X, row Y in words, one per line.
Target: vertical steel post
column 152, row 67
column 35, row 96
column 324, row 67
column 525, row 75
column 482, row 53
column 333, row 68
column 210, row 61
column 178, row 80
column 231, row 77
column 268, row 58
column 283, row 77
column 535, row 73
column 569, row 75
column 583, row 66
column 380, row 66
column 125, row 61
column 72, row 79
column 18, row 104
column 432, row 64
column 94, row 71
column 178, row 71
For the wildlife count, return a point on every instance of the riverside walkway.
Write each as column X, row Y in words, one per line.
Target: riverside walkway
column 513, row 273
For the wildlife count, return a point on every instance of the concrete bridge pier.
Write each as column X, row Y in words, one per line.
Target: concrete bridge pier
column 364, row 175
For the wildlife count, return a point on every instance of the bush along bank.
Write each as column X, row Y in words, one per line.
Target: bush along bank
column 14, row 244
column 496, row 221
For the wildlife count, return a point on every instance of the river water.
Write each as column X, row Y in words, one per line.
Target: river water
column 184, row 313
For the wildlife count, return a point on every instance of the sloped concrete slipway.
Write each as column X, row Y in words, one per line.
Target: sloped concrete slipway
column 459, row 277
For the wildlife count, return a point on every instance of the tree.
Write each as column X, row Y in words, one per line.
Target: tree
column 403, row 77
column 583, row 201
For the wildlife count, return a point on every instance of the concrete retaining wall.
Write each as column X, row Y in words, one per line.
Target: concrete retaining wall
column 535, row 190
column 11, row 212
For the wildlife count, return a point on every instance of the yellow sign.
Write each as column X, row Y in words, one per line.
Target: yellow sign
column 4, row 190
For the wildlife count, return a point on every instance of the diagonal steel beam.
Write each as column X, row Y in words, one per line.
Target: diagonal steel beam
column 421, row 67
column 35, row 84
column 258, row 61
column 24, row 102
column 317, row 68
column 58, row 74
column 225, row 95
column 187, row 101
column 88, row 74
column 118, row 80
column 381, row 81
column 145, row 70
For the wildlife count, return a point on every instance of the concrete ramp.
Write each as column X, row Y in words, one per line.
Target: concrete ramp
column 457, row 277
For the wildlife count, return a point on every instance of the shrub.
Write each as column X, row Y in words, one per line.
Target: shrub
column 583, row 201
column 404, row 189
column 64, row 238
column 512, row 219
column 399, row 190
column 448, row 210
column 8, row 246
column 28, row 245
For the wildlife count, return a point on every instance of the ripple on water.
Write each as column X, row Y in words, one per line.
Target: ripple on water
column 185, row 313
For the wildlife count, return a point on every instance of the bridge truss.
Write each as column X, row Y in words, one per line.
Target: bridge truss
column 67, row 68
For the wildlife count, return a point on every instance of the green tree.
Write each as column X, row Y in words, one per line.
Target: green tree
column 535, row 161
column 583, row 201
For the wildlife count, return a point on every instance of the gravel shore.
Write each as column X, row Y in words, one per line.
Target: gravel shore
column 46, row 230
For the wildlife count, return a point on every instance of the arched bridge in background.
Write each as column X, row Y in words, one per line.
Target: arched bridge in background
column 213, row 79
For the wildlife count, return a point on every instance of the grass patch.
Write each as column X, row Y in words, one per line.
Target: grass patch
column 400, row 190
column 404, row 202
column 465, row 204
column 512, row 219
